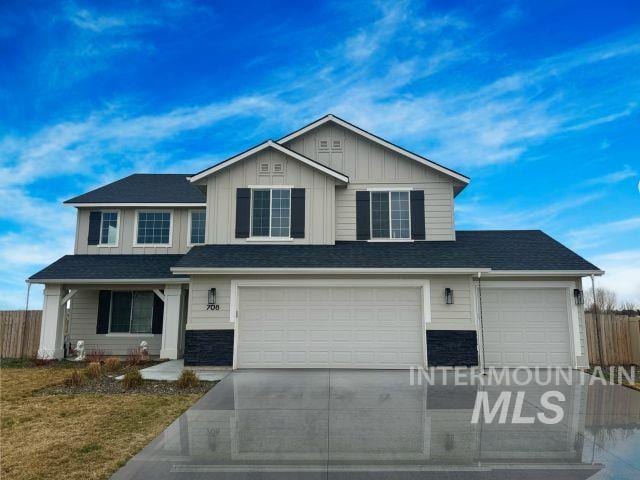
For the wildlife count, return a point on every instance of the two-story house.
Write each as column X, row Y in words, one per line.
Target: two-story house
column 330, row 247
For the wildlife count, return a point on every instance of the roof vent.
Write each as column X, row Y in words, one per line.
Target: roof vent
column 264, row 168
column 323, row 144
column 278, row 168
column 336, row 145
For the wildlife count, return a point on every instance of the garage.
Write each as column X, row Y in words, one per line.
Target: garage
column 526, row 327
column 329, row 327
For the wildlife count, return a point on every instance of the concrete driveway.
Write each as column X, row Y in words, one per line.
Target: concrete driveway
column 358, row 424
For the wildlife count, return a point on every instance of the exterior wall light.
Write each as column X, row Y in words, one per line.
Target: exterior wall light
column 212, row 296
column 578, row 296
column 448, row 296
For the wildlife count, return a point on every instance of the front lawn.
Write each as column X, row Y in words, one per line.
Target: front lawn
column 47, row 433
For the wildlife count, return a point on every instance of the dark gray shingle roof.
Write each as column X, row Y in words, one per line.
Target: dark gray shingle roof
column 498, row 250
column 145, row 188
column 116, row 267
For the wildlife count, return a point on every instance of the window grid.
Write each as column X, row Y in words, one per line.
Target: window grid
column 390, row 215
column 153, row 228
column 280, row 212
column 198, row 221
column 260, row 213
column 109, row 228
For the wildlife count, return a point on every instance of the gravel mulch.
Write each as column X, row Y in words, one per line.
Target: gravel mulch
column 107, row 384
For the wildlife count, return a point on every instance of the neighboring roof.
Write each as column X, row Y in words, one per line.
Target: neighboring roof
column 521, row 250
column 142, row 188
column 269, row 144
column 108, row 267
column 381, row 141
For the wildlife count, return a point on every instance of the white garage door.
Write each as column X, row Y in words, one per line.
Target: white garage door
column 526, row 327
column 337, row 327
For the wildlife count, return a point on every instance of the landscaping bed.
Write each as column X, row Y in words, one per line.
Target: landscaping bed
column 50, row 428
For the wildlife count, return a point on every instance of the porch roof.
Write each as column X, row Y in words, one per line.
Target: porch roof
column 130, row 268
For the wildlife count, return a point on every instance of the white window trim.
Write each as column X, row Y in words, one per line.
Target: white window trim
column 388, row 189
column 110, row 245
column 269, row 238
column 129, row 334
column 389, row 238
column 189, row 244
column 135, row 228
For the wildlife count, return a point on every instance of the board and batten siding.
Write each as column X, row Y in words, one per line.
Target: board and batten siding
column 126, row 233
column 319, row 197
column 82, row 326
column 443, row 317
column 370, row 165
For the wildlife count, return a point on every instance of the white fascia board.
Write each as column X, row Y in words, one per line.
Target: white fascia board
column 75, row 281
column 545, row 273
column 332, row 271
column 269, row 144
column 139, row 205
column 379, row 141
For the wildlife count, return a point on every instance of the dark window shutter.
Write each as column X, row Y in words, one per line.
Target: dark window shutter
column 158, row 314
column 243, row 212
column 104, row 309
column 417, row 215
column 297, row 212
column 363, row 215
column 95, row 219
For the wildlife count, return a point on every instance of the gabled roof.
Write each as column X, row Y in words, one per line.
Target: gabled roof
column 512, row 251
column 380, row 141
column 141, row 189
column 263, row 146
column 108, row 267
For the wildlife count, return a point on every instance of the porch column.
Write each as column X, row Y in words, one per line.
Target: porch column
column 171, row 321
column 51, row 330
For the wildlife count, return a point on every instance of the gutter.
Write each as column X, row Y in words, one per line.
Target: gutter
column 311, row 271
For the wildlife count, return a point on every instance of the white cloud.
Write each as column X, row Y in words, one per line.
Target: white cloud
column 600, row 233
column 622, row 274
column 613, row 177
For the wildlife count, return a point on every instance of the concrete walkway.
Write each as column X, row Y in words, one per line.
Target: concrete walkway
column 171, row 370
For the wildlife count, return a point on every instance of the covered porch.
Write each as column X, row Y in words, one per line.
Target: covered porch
column 126, row 300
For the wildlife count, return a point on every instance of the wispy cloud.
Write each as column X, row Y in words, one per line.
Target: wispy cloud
column 599, row 234
column 613, row 177
column 622, row 274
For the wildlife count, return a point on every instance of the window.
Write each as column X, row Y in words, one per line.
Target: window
column 390, row 215
column 196, row 232
column 154, row 228
column 271, row 212
column 131, row 312
column 109, row 229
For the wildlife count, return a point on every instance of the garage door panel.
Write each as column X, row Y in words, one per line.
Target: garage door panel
column 526, row 327
column 354, row 327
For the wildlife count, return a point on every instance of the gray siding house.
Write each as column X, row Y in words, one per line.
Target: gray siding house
column 330, row 247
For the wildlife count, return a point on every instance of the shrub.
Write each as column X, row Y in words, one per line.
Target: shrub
column 112, row 364
column 132, row 380
column 93, row 370
column 75, row 379
column 96, row 356
column 134, row 357
column 188, row 379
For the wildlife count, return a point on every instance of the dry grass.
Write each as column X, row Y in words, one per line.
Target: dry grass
column 74, row 436
column 112, row 364
column 132, row 380
column 93, row 370
column 187, row 379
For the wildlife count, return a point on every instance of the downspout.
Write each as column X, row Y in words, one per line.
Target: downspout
column 482, row 366
column 595, row 313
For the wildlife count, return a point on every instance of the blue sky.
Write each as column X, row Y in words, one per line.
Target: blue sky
column 538, row 102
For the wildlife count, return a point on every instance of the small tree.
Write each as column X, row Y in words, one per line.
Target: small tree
column 606, row 301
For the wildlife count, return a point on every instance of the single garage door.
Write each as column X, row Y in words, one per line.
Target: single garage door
column 336, row 327
column 526, row 327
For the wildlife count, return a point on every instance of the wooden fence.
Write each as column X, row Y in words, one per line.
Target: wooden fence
column 19, row 333
column 619, row 337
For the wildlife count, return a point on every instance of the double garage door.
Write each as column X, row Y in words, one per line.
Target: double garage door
column 381, row 327
column 330, row 327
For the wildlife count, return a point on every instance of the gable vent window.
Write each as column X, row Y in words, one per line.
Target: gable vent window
column 336, row 145
column 323, row 144
column 264, row 168
column 278, row 168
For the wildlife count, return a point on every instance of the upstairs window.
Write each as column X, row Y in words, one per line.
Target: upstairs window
column 109, row 229
column 390, row 215
column 131, row 312
column 153, row 228
column 271, row 212
column 197, row 227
